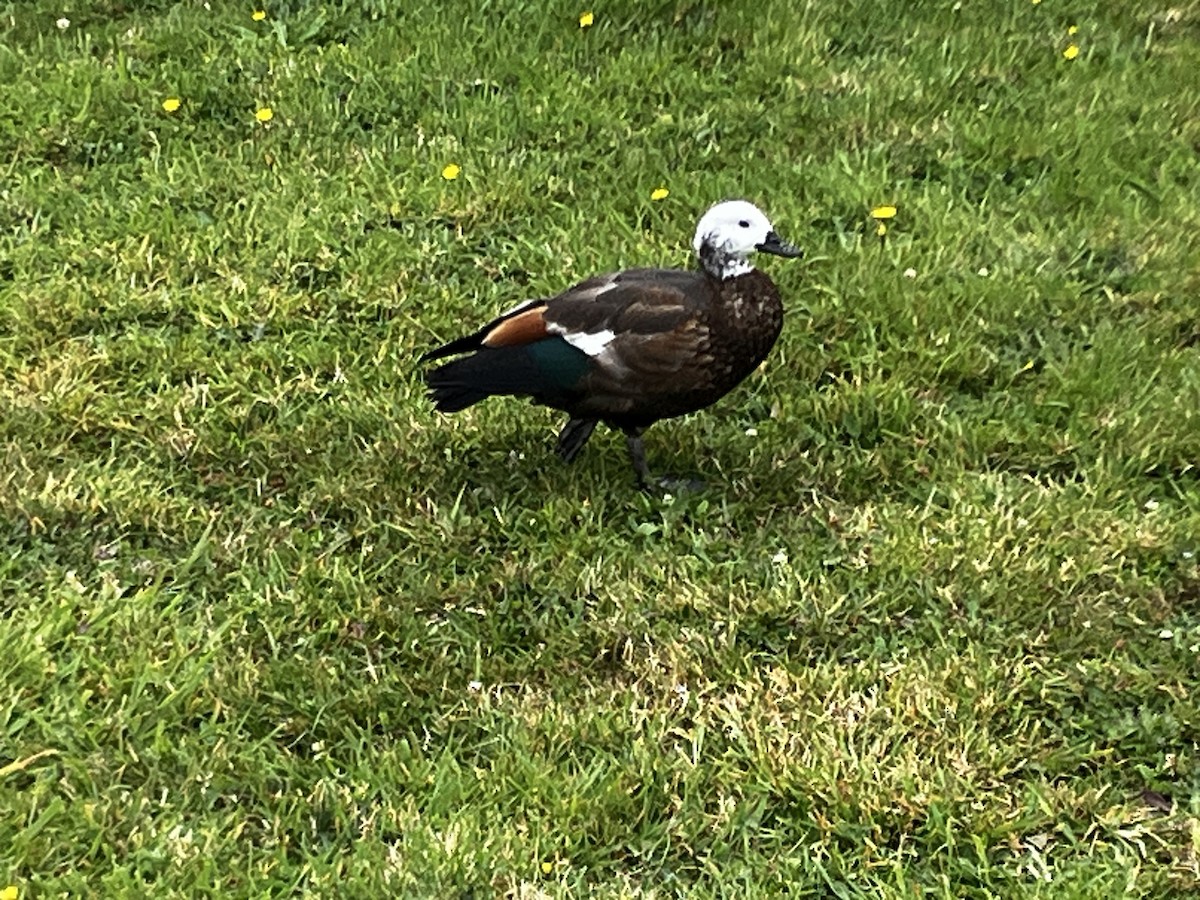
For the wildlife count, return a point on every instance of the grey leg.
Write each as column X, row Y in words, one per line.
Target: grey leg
column 637, row 455
column 573, row 436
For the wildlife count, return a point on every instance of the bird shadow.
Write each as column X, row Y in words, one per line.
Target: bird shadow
column 520, row 459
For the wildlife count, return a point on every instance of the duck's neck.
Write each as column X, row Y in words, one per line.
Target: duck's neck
column 721, row 265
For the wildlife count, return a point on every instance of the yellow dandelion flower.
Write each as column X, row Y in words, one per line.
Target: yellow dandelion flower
column 1072, row 29
column 547, row 867
column 171, row 104
column 451, row 171
column 266, row 114
column 883, row 212
column 1071, row 52
column 659, row 194
column 258, row 15
column 9, row 893
column 1035, row 2
column 586, row 19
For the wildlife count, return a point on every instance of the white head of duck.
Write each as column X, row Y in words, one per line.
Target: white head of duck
column 732, row 230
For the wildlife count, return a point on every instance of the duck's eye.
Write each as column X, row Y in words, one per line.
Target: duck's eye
column 744, row 224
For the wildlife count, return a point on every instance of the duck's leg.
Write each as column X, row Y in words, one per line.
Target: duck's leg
column 637, row 454
column 573, row 436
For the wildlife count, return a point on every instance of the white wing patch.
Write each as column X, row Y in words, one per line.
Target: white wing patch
column 591, row 343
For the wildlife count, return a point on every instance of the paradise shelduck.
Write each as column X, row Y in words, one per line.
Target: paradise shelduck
column 631, row 347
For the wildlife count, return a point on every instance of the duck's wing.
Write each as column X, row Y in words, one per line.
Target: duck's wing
column 600, row 347
column 636, row 320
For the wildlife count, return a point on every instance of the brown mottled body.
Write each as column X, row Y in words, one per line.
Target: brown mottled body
column 679, row 350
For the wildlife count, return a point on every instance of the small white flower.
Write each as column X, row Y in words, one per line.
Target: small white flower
column 1166, row 634
column 63, row 24
column 751, row 432
column 910, row 272
column 780, row 557
column 474, row 686
column 1187, row 554
column 984, row 272
column 1150, row 505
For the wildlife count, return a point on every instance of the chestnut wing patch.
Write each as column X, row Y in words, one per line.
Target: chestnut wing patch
column 523, row 328
column 528, row 313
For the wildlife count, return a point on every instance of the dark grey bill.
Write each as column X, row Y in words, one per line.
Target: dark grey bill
column 774, row 244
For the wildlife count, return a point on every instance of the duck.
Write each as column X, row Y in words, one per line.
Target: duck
column 633, row 347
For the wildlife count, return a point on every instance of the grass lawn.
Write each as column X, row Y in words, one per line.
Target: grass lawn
column 269, row 625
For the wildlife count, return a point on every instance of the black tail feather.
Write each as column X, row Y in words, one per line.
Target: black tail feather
column 504, row 370
column 449, row 398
